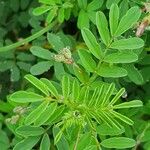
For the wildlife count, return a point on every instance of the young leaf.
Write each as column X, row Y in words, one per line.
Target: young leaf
column 38, row 84
column 51, row 87
column 65, row 86
column 45, row 115
column 130, row 43
column 122, row 118
column 41, row 10
column 127, row 21
column 117, row 96
column 29, row 131
column 134, row 103
column 87, row 60
column 108, row 94
column 75, row 89
column 98, row 92
column 40, row 67
column 92, row 43
column 41, row 52
column 86, row 95
column 113, row 18
column 121, row 57
column 25, row 97
column 111, row 71
column 35, row 114
column 82, row 95
column 102, row 25
column 118, row 143
column 45, row 143
column 27, row 143
column 108, row 119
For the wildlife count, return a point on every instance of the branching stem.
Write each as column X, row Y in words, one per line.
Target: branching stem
column 28, row 39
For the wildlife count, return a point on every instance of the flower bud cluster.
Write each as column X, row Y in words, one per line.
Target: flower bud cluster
column 13, row 119
column 64, row 56
column 19, row 110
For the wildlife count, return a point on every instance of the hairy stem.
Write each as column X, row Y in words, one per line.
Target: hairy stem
column 28, row 39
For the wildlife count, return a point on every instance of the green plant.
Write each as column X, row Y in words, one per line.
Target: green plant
column 75, row 108
column 81, row 95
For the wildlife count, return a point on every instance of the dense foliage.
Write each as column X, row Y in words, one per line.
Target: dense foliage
column 74, row 74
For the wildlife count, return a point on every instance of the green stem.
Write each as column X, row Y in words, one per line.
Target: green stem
column 77, row 140
column 141, row 136
column 28, row 39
